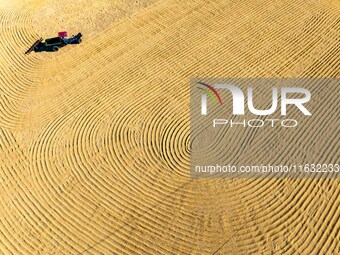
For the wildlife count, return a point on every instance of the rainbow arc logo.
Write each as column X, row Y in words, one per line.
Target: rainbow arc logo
column 211, row 92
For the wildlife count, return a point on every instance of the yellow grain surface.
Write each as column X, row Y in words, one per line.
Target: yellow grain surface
column 94, row 139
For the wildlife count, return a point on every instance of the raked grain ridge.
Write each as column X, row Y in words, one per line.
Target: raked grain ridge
column 95, row 139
